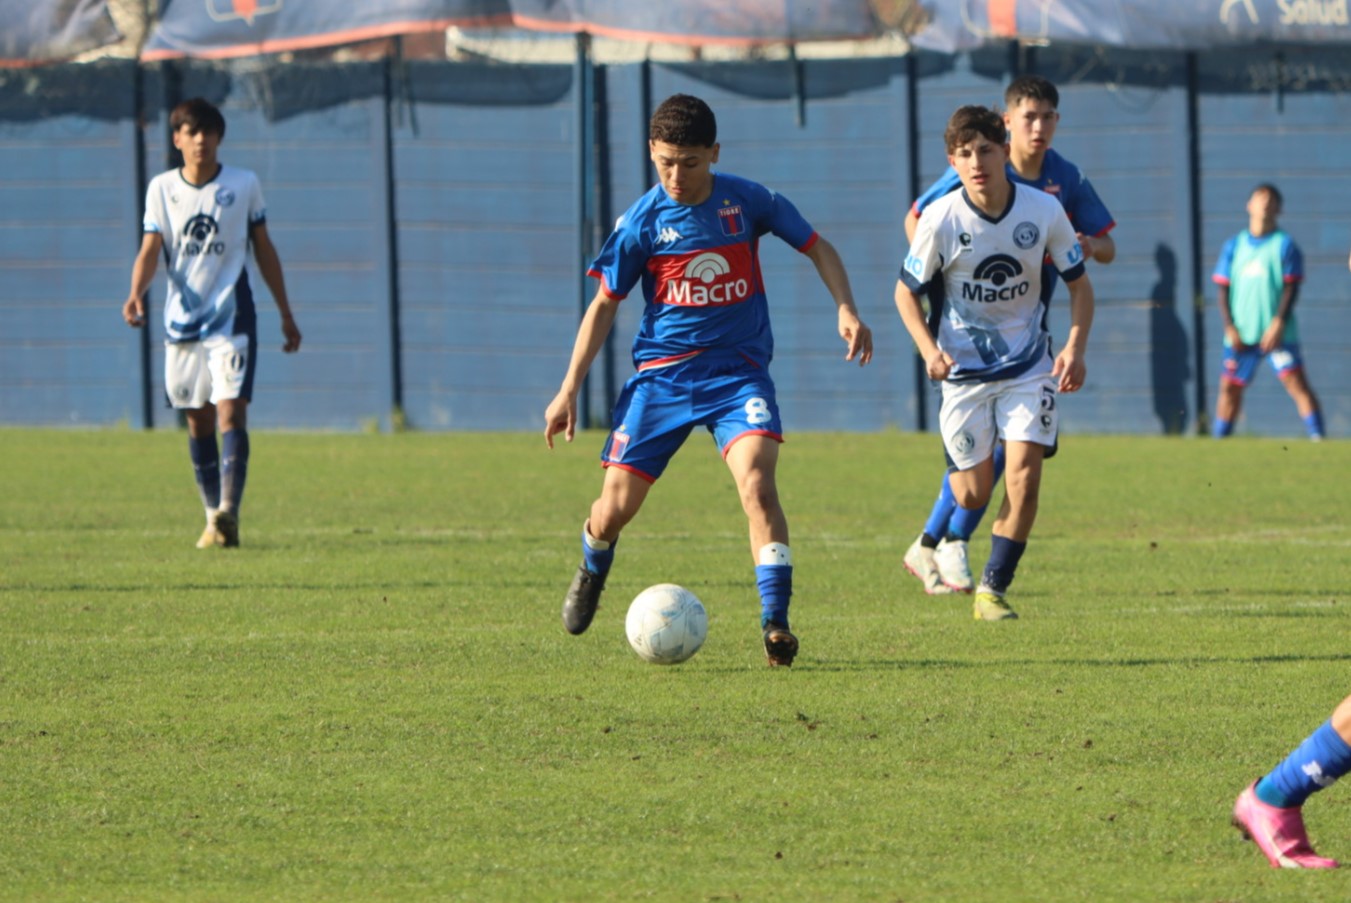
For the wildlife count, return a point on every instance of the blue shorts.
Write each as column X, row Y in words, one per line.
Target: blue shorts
column 1241, row 366
column 730, row 396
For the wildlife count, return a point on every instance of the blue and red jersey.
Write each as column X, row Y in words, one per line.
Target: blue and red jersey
column 699, row 266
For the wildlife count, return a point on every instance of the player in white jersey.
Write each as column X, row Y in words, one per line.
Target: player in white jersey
column 978, row 255
column 202, row 217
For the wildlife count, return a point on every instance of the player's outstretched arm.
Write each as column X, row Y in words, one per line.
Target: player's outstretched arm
column 142, row 271
column 856, row 334
column 561, row 414
column 269, row 264
column 1070, row 365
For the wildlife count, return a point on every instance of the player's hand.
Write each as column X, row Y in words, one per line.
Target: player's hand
column 1085, row 243
column 938, row 365
column 133, row 311
column 1271, row 338
column 1071, row 370
column 560, row 417
column 857, row 336
column 292, row 333
column 1235, row 341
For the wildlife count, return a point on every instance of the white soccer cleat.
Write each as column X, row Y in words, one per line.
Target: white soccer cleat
column 920, row 562
column 953, row 567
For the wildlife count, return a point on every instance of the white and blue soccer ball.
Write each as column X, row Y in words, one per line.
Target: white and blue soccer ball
column 666, row 624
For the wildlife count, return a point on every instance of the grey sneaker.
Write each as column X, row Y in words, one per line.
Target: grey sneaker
column 920, row 562
column 953, row 567
column 582, row 601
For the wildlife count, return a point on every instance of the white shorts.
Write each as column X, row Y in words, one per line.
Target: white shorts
column 975, row 416
column 213, row 370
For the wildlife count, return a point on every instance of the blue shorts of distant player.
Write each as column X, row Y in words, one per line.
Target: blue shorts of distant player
column 1241, row 366
column 724, row 392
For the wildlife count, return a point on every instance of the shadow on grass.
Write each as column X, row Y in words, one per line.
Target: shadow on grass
column 958, row 664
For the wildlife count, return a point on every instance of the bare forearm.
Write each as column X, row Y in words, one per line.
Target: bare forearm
column 142, row 272
column 833, row 275
column 912, row 316
column 591, row 334
column 1081, row 313
column 269, row 265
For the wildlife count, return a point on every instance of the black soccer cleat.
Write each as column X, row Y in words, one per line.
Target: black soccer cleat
column 582, row 601
column 780, row 646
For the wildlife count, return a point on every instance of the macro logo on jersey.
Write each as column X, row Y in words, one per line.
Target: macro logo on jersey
column 999, row 270
column 248, row 10
column 703, row 279
column 200, row 229
column 733, row 223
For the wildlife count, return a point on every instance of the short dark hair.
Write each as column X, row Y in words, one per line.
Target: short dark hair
column 684, row 121
column 1271, row 190
column 199, row 115
column 1030, row 87
column 970, row 121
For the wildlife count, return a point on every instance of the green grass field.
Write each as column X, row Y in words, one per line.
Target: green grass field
column 374, row 697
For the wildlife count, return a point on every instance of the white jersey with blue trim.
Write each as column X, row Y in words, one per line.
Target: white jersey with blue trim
column 206, row 242
column 985, row 273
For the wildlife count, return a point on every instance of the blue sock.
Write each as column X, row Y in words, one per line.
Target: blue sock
column 1222, row 428
column 1004, row 556
column 1316, row 765
column 597, row 555
column 1314, row 424
column 964, row 521
column 775, row 582
column 206, row 468
column 234, row 453
column 937, row 524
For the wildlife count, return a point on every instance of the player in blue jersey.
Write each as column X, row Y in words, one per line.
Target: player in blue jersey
column 203, row 217
column 939, row 556
column 978, row 256
column 1270, row 811
column 702, row 352
column 1259, row 273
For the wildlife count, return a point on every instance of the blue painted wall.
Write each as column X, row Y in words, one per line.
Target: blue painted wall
column 434, row 226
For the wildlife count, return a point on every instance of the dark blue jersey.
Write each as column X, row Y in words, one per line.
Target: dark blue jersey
column 699, row 266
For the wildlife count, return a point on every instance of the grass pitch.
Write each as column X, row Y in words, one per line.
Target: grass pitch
column 374, row 697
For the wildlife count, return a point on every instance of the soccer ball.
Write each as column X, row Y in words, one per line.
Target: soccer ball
column 666, row 624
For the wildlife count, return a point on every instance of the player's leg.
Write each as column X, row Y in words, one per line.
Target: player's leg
column 1288, row 366
column 1011, row 529
column 231, row 361
column 232, row 417
column 1238, row 370
column 187, row 382
column 746, row 426
column 1028, row 419
column 921, row 558
column 951, row 554
column 205, row 467
column 650, row 425
column 969, row 441
column 1269, row 811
